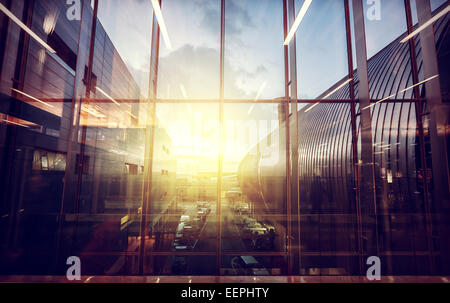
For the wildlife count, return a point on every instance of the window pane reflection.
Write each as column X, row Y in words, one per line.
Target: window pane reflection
column 385, row 26
column 322, row 50
column 36, row 89
column 254, row 66
column 182, row 213
column 86, row 170
column 109, row 161
column 191, row 68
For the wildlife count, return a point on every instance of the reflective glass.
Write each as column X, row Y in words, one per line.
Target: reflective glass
column 254, row 65
column 38, row 80
column 322, row 51
column 116, row 145
column 189, row 65
column 105, row 190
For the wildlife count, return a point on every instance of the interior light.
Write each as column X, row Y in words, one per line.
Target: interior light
column 15, row 123
column 330, row 93
column 297, row 21
column 31, row 97
column 421, row 82
column 107, row 96
column 162, row 24
column 426, row 24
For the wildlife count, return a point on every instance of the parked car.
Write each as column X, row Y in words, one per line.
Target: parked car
column 253, row 226
column 243, row 208
column 258, row 231
column 182, row 243
column 270, row 228
column 248, row 221
column 233, row 195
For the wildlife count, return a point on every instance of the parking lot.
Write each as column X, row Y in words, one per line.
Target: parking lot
column 241, row 231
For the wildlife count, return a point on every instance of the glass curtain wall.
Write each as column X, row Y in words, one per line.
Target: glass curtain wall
column 196, row 138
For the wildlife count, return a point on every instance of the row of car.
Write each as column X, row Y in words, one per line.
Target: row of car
column 190, row 227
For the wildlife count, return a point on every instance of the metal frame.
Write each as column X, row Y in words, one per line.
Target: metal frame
column 354, row 136
column 84, row 35
column 419, row 117
column 84, row 118
column 293, row 141
column 221, row 136
column 366, row 168
column 149, row 146
column 246, row 101
column 287, row 83
column 438, row 128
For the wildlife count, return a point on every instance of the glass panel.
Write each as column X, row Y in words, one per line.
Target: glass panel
column 37, row 71
column 123, row 36
column 389, row 62
column 105, row 178
column 254, row 178
column 43, row 74
column 328, row 203
column 190, row 68
column 184, row 189
column 436, row 4
column 324, row 143
column 184, row 178
column 322, row 51
column 254, row 64
column 385, row 21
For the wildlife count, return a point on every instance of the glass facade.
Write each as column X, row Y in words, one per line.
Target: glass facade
column 224, row 137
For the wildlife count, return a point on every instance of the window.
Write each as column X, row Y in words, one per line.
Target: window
column 48, row 161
